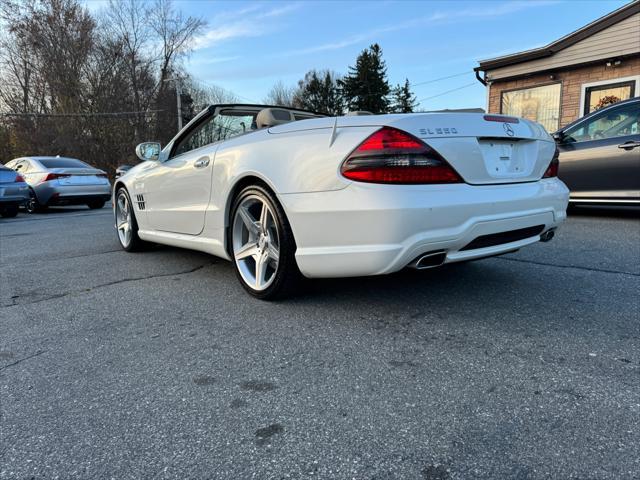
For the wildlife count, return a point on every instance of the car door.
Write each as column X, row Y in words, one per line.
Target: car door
column 600, row 156
column 177, row 190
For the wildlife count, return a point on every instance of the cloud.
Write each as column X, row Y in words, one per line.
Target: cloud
column 248, row 22
column 327, row 46
column 214, row 60
column 450, row 16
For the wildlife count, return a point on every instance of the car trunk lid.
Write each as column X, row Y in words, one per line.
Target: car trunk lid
column 483, row 148
column 7, row 175
column 488, row 149
column 80, row 176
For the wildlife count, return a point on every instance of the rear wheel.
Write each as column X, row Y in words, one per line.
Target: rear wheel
column 9, row 212
column 262, row 245
column 33, row 205
column 95, row 204
column 126, row 223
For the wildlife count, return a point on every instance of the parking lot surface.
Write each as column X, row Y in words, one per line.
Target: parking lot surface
column 158, row 365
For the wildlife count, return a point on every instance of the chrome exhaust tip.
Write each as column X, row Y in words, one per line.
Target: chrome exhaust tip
column 548, row 235
column 429, row 260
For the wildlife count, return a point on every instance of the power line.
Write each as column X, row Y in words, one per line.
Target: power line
column 441, row 78
column 448, row 91
column 96, row 114
column 210, row 84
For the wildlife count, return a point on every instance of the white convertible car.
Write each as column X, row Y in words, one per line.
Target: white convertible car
column 284, row 192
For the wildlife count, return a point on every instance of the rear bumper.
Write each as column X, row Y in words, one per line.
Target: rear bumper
column 71, row 194
column 14, row 194
column 376, row 229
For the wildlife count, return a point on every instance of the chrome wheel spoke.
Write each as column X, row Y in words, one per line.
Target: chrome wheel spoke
column 250, row 249
column 273, row 252
column 264, row 215
column 249, row 221
column 261, row 270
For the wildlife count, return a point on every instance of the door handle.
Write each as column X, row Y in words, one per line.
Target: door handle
column 201, row 162
column 629, row 145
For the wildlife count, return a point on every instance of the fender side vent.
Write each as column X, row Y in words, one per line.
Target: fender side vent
column 140, row 201
column 493, row 239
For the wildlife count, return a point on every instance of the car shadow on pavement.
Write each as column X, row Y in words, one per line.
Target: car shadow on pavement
column 604, row 211
column 410, row 287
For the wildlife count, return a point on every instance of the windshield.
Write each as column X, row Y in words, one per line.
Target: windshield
column 63, row 163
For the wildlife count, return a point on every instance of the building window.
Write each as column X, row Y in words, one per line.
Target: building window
column 602, row 95
column 540, row 104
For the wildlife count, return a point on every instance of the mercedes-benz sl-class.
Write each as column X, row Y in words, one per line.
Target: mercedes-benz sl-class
column 285, row 193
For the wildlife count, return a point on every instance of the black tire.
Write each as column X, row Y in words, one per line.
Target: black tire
column 33, row 205
column 288, row 278
column 95, row 204
column 9, row 212
column 135, row 243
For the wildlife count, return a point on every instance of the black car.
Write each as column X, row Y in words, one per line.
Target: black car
column 600, row 155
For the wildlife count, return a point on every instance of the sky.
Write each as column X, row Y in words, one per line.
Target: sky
column 247, row 46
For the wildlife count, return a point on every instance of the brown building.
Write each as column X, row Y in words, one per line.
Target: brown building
column 562, row 81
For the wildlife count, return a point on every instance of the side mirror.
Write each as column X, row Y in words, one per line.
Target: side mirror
column 558, row 136
column 148, row 151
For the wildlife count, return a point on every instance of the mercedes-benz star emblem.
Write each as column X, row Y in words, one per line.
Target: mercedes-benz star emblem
column 508, row 129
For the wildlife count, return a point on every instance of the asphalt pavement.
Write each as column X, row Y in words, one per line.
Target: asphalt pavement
column 158, row 365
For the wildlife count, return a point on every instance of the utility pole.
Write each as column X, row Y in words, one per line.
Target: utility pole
column 178, row 99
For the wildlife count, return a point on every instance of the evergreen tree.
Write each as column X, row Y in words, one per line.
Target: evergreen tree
column 404, row 101
column 366, row 86
column 319, row 91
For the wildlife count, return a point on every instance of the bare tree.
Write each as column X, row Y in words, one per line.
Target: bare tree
column 92, row 86
column 175, row 32
column 281, row 95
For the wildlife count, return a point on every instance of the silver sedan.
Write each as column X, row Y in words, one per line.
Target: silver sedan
column 62, row 181
column 14, row 192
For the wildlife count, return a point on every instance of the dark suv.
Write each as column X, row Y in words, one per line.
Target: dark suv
column 600, row 155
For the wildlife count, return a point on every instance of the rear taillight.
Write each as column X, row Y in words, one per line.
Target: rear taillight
column 19, row 178
column 55, row 176
column 552, row 169
column 393, row 156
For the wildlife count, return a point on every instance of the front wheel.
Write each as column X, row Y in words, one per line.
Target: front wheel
column 126, row 223
column 262, row 245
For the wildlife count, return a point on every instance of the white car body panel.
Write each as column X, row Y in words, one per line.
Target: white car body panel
column 346, row 228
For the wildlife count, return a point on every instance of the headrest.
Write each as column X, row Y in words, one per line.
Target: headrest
column 358, row 113
column 270, row 117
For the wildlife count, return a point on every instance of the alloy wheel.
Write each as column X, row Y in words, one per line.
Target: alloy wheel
column 256, row 242
column 123, row 219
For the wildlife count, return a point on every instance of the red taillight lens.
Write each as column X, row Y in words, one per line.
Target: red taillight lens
column 393, row 156
column 19, row 178
column 552, row 169
column 55, row 176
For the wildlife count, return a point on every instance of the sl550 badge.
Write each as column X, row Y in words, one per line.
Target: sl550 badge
column 438, row 131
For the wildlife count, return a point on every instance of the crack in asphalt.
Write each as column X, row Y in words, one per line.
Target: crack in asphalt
column 58, row 258
column 20, row 360
column 108, row 284
column 59, row 215
column 577, row 267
